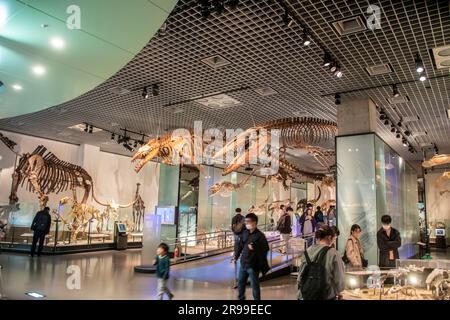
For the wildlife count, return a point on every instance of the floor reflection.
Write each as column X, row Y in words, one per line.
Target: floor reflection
column 110, row 275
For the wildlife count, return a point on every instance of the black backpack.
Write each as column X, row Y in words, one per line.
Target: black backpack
column 312, row 283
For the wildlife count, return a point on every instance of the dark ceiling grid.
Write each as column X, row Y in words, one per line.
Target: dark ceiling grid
column 264, row 52
column 428, row 54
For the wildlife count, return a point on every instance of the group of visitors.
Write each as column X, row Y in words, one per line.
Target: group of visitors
column 322, row 269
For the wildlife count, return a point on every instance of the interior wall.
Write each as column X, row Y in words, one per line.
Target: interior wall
column 437, row 200
column 113, row 175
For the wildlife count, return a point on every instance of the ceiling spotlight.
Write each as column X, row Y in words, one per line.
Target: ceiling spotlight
column 338, row 73
column 91, row 128
column 17, row 87
column 399, row 124
column 113, row 136
column 386, row 122
column 327, row 60
column 405, row 143
column 155, row 90
column 287, row 20
column 436, row 150
column 382, row 116
column 38, row 70
column 419, row 64
column 86, row 127
column 333, row 67
column 135, row 144
column 392, row 129
column 145, row 94
column 205, row 9
column 337, row 99
column 395, row 92
column 306, row 40
column 407, row 133
column 398, row 136
column 57, row 43
column 422, row 78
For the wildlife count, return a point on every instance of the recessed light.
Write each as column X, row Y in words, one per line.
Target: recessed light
column 38, row 70
column 422, row 78
column 57, row 43
column 17, row 87
column 36, row 295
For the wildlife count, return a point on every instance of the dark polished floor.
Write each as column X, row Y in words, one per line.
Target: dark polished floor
column 110, row 275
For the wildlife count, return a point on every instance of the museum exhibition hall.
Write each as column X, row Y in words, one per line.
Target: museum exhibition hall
column 133, row 133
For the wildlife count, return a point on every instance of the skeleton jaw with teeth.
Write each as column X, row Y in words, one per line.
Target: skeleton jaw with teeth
column 144, row 154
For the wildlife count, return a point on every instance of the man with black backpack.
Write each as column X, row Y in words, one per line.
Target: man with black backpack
column 321, row 274
column 41, row 227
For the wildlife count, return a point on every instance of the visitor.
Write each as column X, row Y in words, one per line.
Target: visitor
column 331, row 216
column 318, row 215
column 237, row 226
column 271, row 226
column 41, row 227
column 280, row 212
column 162, row 263
column 354, row 251
column 285, row 229
column 308, row 225
column 252, row 250
column 321, row 274
column 388, row 241
column 336, row 233
column 296, row 222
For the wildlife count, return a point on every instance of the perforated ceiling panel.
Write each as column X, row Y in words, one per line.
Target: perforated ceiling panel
column 264, row 52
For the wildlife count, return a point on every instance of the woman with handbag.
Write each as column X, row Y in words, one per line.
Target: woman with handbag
column 354, row 251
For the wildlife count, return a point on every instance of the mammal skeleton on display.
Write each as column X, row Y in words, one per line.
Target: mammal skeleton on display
column 138, row 210
column 44, row 173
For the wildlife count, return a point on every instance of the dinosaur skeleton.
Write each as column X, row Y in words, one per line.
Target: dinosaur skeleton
column 304, row 133
column 45, row 174
column 437, row 160
column 298, row 133
column 166, row 148
column 225, row 188
column 138, row 211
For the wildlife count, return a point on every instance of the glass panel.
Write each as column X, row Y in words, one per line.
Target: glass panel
column 356, row 191
column 397, row 196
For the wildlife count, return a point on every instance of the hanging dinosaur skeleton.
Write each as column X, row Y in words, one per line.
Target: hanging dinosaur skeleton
column 166, row 149
column 437, row 160
column 225, row 188
column 295, row 133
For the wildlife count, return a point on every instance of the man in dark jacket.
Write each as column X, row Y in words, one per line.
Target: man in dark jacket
column 318, row 215
column 252, row 249
column 388, row 240
column 285, row 229
column 41, row 227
